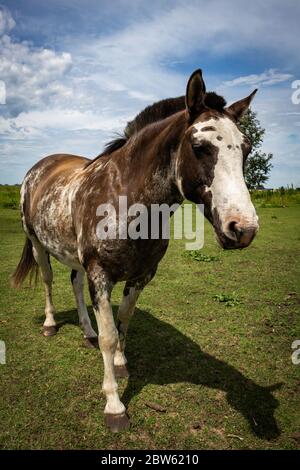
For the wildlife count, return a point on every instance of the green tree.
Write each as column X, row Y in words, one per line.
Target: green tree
column 258, row 164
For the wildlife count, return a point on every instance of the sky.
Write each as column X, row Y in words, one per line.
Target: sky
column 75, row 71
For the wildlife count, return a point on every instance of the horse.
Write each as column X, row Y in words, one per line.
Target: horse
column 189, row 147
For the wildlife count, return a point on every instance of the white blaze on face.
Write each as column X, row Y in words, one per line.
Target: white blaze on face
column 230, row 195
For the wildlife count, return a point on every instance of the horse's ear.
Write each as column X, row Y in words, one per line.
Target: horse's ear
column 195, row 92
column 239, row 108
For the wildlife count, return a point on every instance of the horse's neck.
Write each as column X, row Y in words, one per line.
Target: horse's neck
column 151, row 160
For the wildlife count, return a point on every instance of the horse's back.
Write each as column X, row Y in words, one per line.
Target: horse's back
column 49, row 176
column 51, row 166
column 46, row 202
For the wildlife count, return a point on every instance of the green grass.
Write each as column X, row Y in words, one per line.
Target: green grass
column 224, row 375
column 9, row 196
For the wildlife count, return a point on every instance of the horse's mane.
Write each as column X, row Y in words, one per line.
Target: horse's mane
column 156, row 112
column 153, row 113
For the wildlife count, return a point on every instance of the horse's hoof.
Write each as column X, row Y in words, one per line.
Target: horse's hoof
column 116, row 423
column 121, row 372
column 49, row 330
column 91, row 343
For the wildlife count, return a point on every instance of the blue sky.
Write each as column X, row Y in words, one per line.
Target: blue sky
column 76, row 71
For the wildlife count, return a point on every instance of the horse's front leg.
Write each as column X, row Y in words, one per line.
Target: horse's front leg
column 100, row 290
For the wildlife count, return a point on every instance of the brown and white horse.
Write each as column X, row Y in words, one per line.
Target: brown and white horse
column 187, row 147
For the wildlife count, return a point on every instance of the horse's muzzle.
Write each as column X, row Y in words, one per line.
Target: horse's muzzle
column 237, row 235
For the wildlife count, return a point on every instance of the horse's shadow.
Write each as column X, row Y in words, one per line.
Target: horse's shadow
column 157, row 353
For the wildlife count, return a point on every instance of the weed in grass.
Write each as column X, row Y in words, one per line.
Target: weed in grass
column 197, row 255
column 230, row 300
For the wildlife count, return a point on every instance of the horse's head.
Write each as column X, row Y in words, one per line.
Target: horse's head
column 210, row 161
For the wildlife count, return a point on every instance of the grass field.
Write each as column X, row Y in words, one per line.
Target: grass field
column 210, row 343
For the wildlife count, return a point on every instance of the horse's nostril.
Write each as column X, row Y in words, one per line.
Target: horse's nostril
column 233, row 226
column 235, row 230
column 240, row 233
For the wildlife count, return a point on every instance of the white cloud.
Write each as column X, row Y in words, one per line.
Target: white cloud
column 141, row 96
column 269, row 77
column 7, row 23
column 39, row 122
column 190, row 26
column 33, row 76
column 98, row 81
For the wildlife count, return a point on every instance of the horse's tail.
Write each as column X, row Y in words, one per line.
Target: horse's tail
column 27, row 265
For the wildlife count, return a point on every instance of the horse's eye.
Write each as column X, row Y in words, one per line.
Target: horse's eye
column 199, row 150
column 203, row 149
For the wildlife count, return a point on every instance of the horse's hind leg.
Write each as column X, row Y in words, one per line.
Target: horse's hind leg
column 41, row 256
column 91, row 337
column 131, row 293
